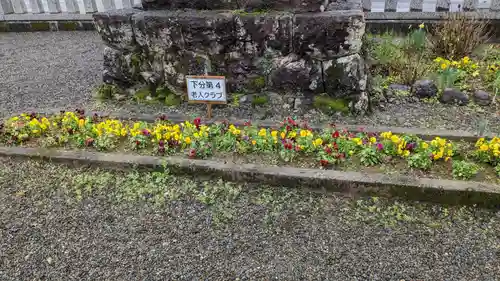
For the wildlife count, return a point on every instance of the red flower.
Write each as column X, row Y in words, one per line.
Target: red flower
column 163, row 117
column 247, row 123
column 288, row 128
column 161, row 143
column 297, row 148
column 192, row 153
column 335, row 134
column 137, row 143
column 89, row 142
column 341, row 156
column 197, row 122
column 324, row 162
column 288, row 145
column 146, row 132
column 328, row 150
column 335, row 146
column 161, row 149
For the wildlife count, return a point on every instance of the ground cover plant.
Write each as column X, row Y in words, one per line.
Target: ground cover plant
column 449, row 64
column 290, row 143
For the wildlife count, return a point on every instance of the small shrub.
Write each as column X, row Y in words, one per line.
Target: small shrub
column 330, row 105
column 369, row 156
column 107, row 91
column 447, row 78
column 258, row 83
column 172, row 100
column 420, row 161
column 458, row 36
column 142, row 94
column 497, row 169
column 464, row 170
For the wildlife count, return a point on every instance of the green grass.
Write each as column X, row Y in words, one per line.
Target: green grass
column 330, row 105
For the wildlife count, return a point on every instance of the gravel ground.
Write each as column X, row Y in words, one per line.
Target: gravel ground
column 58, row 223
column 59, row 70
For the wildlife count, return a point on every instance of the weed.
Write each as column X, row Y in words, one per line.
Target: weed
column 464, row 170
column 172, row 100
column 458, row 35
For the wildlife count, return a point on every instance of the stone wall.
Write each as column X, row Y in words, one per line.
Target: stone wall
column 279, row 50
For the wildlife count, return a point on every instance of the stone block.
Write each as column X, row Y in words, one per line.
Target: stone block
column 328, row 35
column 115, row 28
column 252, row 6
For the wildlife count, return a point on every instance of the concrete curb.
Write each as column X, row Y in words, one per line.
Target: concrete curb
column 426, row 134
column 352, row 183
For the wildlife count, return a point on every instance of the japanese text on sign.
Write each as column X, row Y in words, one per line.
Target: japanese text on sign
column 206, row 88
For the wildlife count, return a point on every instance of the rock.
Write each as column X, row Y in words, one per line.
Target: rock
column 482, row 98
column 275, row 51
column 297, row 103
column 396, row 90
column 451, row 95
column 425, row 89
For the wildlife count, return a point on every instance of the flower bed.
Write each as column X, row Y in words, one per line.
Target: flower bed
column 290, row 143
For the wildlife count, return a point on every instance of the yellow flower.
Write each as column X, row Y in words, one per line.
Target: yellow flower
column 444, row 66
column 479, row 142
column 351, row 152
column 406, row 153
column 262, row 132
column 395, row 139
column 475, row 73
column 187, row 140
column 446, row 159
column 425, row 145
column 318, row 142
column 283, row 135
column 237, row 132
column 421, row 26
column 196, row 135
column 274, row 133
column 254, row 142
column 386, row 135
column 357, row 141
column 484, row 147
column 373, row 140
column 35, row 131
column 436, row 156
column 466, row 60
column 303, row 133
column 438, row 59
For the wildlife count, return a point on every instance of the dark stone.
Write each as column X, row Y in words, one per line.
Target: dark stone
column 345, row 76
column 482, row 98
column 328, row 35
column 277, row 51
column 425, row 89
column 344, row 5
column 451, row 95
column 252, row 6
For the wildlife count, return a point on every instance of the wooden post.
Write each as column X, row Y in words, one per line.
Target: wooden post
column 209, row 110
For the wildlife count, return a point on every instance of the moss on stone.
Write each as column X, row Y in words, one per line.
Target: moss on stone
column 40, row 26
column 258, row 83
column 260, row 100
column 330, row 105
column 172, row 100
column 4, row 27
column 107, row 91
column 68, row 25
column 252, row 13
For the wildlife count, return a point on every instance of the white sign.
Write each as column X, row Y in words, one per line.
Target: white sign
column 210, row 89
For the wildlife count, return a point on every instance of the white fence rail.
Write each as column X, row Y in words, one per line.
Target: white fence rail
column 91, row 6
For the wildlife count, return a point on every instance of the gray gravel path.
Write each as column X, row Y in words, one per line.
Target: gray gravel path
column 48, row 70
column 60, row 70
column 46, row 235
